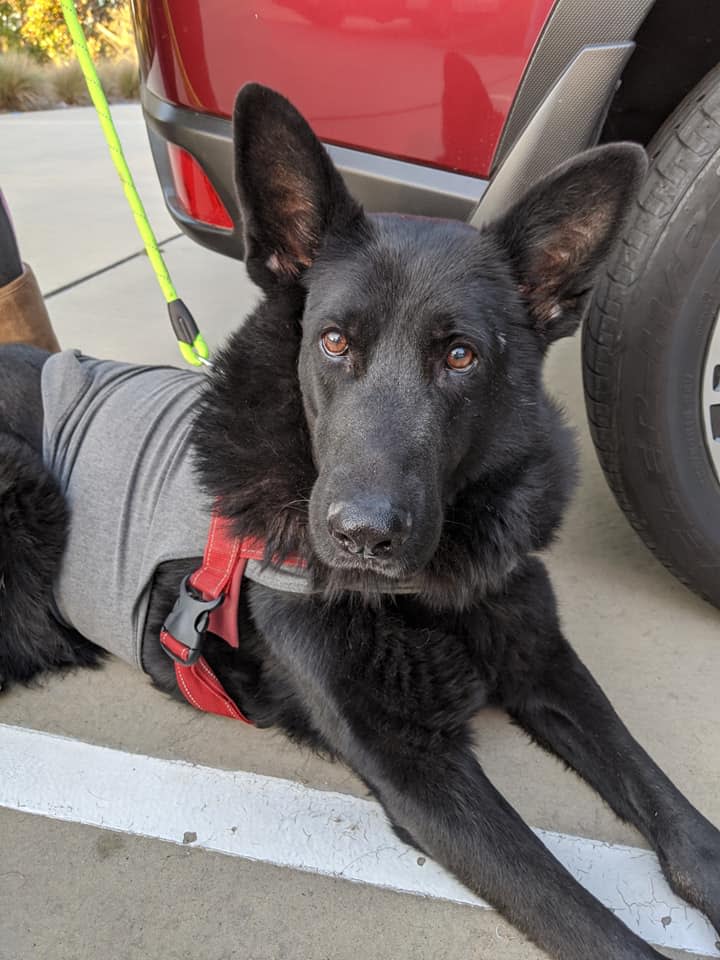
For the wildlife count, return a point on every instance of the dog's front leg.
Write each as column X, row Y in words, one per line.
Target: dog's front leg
column 551, row 694
column 349, row 683
column 444, row 801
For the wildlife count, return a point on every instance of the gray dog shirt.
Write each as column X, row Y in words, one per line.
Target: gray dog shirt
column 117, row 439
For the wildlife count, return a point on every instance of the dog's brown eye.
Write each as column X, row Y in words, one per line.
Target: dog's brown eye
column 460, row 358
column 334, row 343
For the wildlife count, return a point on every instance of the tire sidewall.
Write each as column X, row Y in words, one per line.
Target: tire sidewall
column 665, row 466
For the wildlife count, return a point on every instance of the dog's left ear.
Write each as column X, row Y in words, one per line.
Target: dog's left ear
column 291, row 196
column 560, row 233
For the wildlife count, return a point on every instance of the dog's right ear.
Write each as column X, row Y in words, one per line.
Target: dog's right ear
column 291, row 196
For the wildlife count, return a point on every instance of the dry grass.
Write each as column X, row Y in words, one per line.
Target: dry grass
column 24, row 85
column 69, row 84
column 27, row 85
column 120, row 78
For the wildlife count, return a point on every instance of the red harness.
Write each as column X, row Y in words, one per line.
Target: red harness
column 209, row 600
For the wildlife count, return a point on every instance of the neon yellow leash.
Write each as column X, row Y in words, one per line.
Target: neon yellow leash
column 192, row 345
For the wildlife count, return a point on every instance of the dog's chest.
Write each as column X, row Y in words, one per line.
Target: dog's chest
column 410, row 677
column 394, row 673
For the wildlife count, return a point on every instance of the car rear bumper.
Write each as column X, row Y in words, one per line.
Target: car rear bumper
column 379, row 183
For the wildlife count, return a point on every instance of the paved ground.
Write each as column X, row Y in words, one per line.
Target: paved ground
column 69, row 891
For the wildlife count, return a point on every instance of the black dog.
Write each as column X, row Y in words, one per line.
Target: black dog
column 382, row 414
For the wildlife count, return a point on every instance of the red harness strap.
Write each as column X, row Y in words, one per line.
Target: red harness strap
column 217, row 582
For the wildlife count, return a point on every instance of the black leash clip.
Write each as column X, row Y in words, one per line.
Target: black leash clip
column 191, row 342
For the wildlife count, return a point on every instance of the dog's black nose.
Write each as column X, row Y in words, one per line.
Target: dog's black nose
column 370, row 528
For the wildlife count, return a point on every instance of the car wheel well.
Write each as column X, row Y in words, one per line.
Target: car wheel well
column 677, row 44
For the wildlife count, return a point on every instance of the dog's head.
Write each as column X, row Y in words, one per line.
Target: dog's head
column 422, row 340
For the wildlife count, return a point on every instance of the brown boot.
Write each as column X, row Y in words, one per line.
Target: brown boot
column 23, row 314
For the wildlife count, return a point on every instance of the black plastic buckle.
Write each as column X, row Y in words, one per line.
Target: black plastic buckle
column 187, row 623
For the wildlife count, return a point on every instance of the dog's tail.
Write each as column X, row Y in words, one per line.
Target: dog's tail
column 33, row 527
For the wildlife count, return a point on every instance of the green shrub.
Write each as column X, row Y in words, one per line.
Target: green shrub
column 24, row 84
column 69, row 83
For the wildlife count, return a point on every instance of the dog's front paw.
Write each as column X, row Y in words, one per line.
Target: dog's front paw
column 693, row 870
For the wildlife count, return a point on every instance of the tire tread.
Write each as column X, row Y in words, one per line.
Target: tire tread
column 688, row 140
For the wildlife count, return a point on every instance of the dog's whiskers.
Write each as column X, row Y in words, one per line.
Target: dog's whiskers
column 457, row 523
column 297, row 504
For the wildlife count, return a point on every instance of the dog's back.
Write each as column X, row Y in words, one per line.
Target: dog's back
column 33, row 531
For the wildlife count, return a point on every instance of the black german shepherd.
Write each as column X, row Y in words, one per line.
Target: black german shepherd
column 382, row 414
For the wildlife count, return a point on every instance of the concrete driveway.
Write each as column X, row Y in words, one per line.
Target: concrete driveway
column 70, row 891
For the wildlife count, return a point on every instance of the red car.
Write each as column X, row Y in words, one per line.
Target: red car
column 450, row 108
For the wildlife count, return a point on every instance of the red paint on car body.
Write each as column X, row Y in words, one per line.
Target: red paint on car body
column 430, row 81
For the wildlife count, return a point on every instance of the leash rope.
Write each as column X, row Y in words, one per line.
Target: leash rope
column 191, row 342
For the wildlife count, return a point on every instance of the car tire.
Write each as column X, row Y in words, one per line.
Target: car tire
column 651, row 343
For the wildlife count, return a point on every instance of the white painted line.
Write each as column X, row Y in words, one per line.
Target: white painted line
column 281, row 822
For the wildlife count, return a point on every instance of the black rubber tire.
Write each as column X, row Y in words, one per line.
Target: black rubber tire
column 644, row 345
